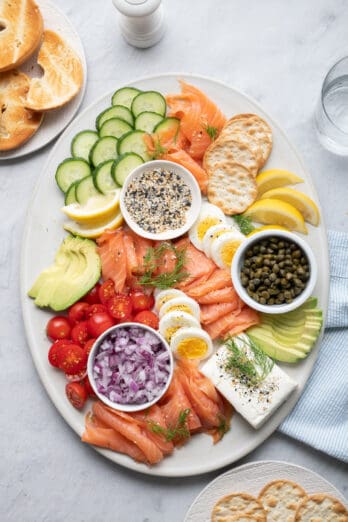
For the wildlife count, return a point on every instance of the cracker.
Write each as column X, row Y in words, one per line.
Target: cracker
column 242, row 518
column 280, row 499
column 321, row 508
column 237, row 504
column 246, row 139
column 256, row 127
column 17, row 124
column 227, row 149
column 231, row 187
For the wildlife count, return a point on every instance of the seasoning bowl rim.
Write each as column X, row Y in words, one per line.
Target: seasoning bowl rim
column 129, row 407
column 195, row 207
column 238, row 260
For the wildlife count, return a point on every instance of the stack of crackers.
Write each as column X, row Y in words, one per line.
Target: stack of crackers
column 279, row 501
column 24, row 100
column 233, row 160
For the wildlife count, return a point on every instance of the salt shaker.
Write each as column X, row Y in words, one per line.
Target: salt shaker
column 141, row 21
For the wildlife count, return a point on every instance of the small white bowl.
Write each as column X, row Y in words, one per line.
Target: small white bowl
column 192, row 213
column 238, row 260
column 95, row 349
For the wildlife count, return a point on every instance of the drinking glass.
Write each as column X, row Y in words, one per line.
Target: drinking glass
column 332, row 111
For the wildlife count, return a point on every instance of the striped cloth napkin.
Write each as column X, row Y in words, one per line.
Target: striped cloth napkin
column 320, row 417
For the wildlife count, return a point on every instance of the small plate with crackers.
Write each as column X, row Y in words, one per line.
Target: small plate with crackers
column 269, row 491
column 42, row 75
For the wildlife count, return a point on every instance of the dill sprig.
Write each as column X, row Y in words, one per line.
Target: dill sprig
column 159, row 150
column 154, row 258
column 212, row 132
column 254, row 368
column 179, row 430
column 244, row 223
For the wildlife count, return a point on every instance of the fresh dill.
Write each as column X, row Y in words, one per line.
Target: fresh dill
column 244, row 223
column 253, row 368
column 212, row 132
column 223, row 426
column 159, row 150
column 179, row 430
column 155, row 259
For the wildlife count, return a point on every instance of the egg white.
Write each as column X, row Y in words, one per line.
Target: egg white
column 183, row 334
column 209, row 216
column 211, row 234
column 172, row 321
column 162, row 296
column 181, row 304
column 222, row 244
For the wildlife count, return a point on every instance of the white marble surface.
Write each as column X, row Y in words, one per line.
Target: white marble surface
column 277, row 52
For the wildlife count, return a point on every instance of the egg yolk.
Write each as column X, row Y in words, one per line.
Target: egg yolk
column 180, row 308
column 164, row 299
column 206, row 223
column 192, row 348
column 219, row 233
column 171, row 331
column 227, row 252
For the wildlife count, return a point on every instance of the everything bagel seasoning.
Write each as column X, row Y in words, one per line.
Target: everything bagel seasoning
column 158, row 200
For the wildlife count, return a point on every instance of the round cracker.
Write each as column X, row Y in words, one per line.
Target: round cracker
column 257, row 127
column 227, row 149
column 231, row 187
column 281, row 498
column 17, row 124
column 243, row 518
column 321, row 508
column 246, row 139
column 238, row 504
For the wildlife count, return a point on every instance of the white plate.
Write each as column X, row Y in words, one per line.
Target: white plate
column 44, row 233
column 251, row 478
column 54, row 122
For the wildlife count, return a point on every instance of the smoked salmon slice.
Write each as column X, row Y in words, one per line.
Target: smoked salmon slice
column 197, row 264
column 183, row 158
column 113, row 257
column 224, row 295
column 131, row 255
column 141, row 246
column 232, row 323
column 154, row 418
column 212, row 312
column 220, row 278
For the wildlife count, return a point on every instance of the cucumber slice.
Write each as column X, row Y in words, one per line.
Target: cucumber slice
column 124, row 96
column 82, row 143
column 85, row 189
column 149, row 101
column 104, row 149
column 147, row 121
column 118, row 111
column 70, row 170
column 103, row 178
column 70, row 195
column 124, row 165
column 114, row 127
column 168, row 125
column 133, row 142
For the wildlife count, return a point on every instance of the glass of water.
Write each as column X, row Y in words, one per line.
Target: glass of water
column 332, row 110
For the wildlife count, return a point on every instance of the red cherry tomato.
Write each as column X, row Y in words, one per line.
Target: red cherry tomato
column 88, row 387
column 76, row 377
column 141, row 301
column 93, row 295
column 98, row 323
column 148, row 318
column 79, row 333
column 95, row 309
column 72, row 359
column 77, row 394
column 106, row 291
column 88, row 345
column 54, row 349
column 77, row 312
column 120, row 307
column 58, row 328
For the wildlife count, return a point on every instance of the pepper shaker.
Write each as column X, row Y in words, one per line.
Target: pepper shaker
column 141, row 21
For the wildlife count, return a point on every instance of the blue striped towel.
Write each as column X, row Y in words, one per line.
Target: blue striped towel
column 320, row 417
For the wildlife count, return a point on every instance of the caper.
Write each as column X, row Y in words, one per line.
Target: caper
column 244, row 280
column 251, row 286
column 296, row 254
column 288, row 276
column 247, row 263
column 287, row 295
column 272, row 277
column 267, row 282
column 275, row 269
column 256, row 281
column 271, row 301
column 262, row 300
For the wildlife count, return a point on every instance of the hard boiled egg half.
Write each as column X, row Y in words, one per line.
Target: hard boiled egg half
column 181, row 304
column 209, row 216
column 172, row 321
column 191, row 343
column 163, row 296
column 224, row 247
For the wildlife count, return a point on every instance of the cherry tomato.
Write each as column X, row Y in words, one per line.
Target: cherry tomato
column 58, row 328
column 54, row 349
column 72, row 358
column 76, row 377
column 148, row 318
column 88, row 345
column 79, row 333
column 98, row 323
column 106, row 291
column 88, row 387
column 141, row 301
column 77, row 312
column 120, row 307
column 93, row 295
column 77, row 394
column 95, row 309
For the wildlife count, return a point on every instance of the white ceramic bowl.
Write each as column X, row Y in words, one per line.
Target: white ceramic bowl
column 192, row 213
column 95, row 349
column 238, row 260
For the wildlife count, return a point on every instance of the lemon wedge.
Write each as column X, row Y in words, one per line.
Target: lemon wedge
column 94, row 231
column 303, row 203
column 265, row 227
column 276, row 212
column 274, row 178
column 96, row 208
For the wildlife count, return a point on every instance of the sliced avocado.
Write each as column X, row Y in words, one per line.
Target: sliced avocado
column 75, row 271
column 273, row 348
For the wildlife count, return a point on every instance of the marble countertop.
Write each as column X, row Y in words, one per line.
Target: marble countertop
column 278, row 53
